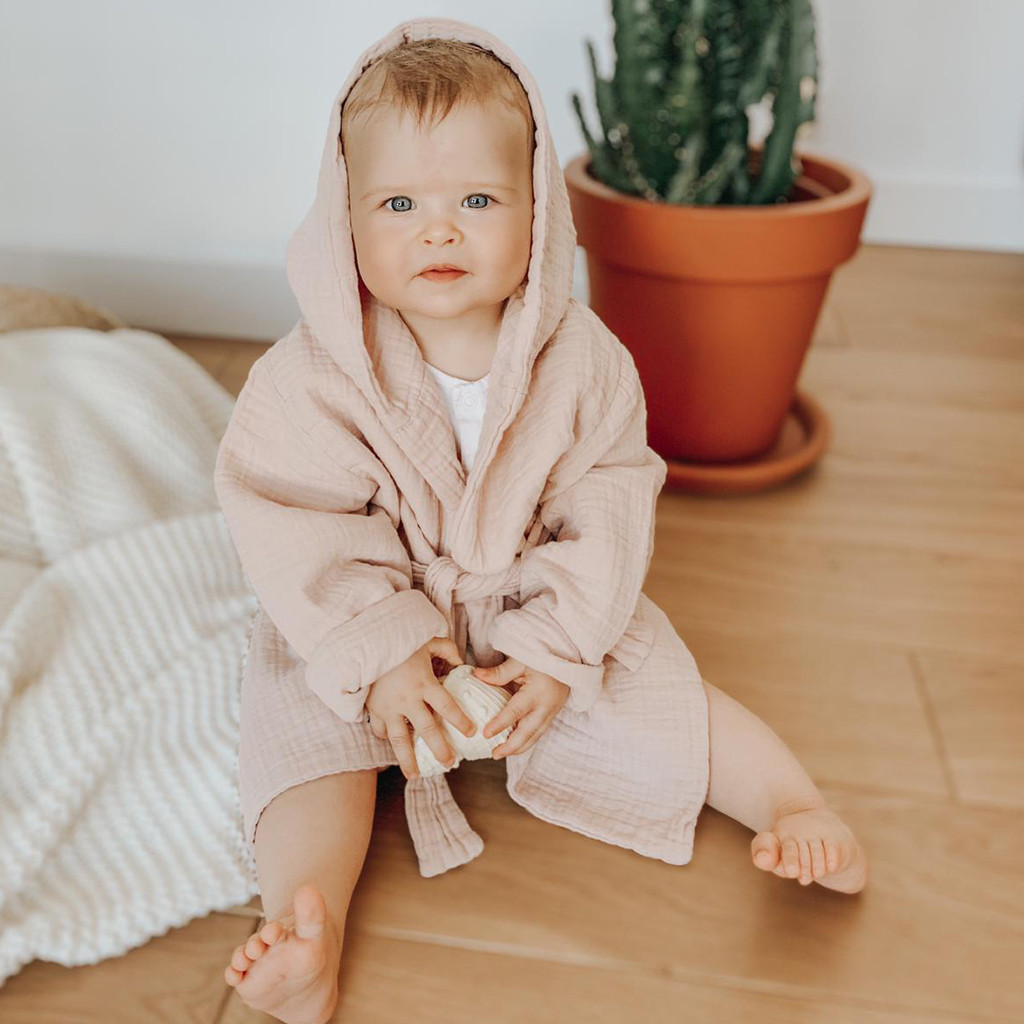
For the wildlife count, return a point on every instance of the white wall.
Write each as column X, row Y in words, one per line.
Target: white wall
column 156, row 156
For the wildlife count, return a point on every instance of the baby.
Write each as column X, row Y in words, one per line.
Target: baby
column 444, row 461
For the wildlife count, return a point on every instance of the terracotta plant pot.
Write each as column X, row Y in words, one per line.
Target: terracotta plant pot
column 717, row 304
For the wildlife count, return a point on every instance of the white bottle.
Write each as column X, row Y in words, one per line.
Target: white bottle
column 481, row 702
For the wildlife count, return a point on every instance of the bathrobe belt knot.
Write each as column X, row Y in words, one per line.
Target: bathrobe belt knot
column 446, row 583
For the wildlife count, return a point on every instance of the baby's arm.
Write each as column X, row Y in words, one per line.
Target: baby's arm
column 334, row 578
column 581, row 589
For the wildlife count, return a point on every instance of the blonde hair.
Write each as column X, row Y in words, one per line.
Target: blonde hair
column 427, row 77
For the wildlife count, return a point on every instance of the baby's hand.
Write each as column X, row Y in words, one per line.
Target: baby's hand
column 532, row 708
column 411, row 693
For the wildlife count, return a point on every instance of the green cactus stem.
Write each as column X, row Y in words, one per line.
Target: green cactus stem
column 673, row 115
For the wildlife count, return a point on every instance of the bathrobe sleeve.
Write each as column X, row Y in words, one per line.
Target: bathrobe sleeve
column 330, row 572
column 580, row 589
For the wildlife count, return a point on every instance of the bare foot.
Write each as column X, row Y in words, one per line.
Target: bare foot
column 290, row 968
column 813, row 843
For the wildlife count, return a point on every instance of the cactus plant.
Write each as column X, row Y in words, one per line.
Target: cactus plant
column 674, row 121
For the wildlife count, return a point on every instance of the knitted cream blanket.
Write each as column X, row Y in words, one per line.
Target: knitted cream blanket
column 124, row 618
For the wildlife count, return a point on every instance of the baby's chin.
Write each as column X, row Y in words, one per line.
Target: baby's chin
column 448, row 307
column 453, row 313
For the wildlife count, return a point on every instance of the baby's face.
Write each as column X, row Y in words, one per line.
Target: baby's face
column 458, row 193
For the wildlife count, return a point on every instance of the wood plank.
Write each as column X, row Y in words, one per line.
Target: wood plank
column 735, row 585
column 932, row 300
column 386, row 979
column 978, row 704
column 177, row 977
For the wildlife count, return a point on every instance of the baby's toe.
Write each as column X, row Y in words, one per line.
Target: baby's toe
column 831, row 856
column 764, row 848
column 818, row 858
column 240, row 961
column 232, row 977
column 806, row 862
column 790, row 857
column 271, row 932
column 255, row 947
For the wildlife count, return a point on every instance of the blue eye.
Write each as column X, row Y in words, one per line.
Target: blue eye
column 406, row 199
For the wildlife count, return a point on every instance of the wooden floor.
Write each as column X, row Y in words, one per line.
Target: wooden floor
column 870, row 611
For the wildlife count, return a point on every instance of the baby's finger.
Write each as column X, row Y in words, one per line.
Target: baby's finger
column 398, row 734
column 426, row 725
column 448, row 708
column 516, row 709
column 446, row 648
column 522, row 738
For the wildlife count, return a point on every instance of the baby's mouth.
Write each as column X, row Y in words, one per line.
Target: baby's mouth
column 442, row 275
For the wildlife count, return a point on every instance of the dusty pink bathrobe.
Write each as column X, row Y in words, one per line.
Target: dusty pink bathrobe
column 362, row 536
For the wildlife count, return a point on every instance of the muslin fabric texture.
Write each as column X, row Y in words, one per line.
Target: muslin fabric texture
column 363, row 535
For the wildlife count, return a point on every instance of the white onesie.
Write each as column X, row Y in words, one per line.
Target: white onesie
column 465, row 400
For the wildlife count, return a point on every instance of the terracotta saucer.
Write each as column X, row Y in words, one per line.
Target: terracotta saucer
column 802, row 439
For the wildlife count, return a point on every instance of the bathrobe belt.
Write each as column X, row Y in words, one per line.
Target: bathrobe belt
column 445, row 582
column 440, row 833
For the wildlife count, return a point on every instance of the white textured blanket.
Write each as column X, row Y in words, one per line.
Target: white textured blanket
column 124, row 617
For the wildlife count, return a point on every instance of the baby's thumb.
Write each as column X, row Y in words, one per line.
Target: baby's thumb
column 445, row 647
column 496, row 675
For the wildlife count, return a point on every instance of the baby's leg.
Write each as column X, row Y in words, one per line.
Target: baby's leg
column 756, row 779
column 310, row 845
